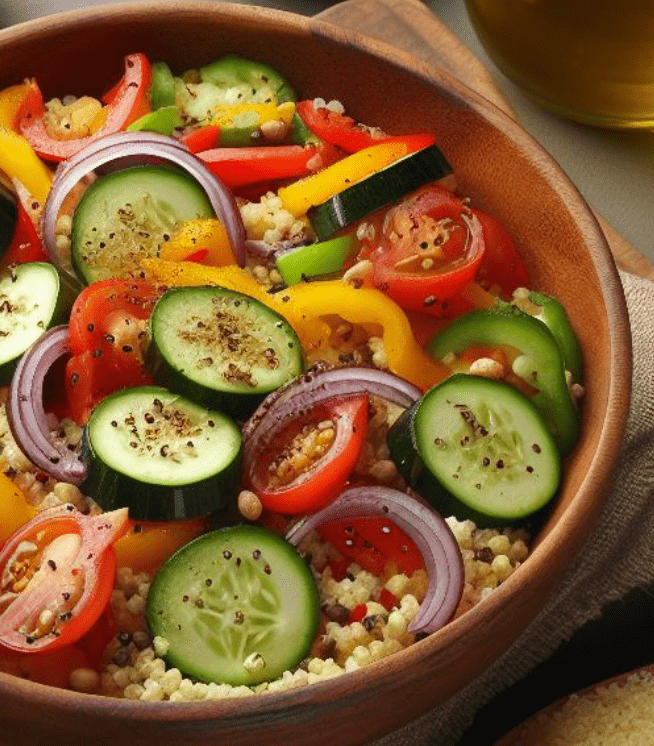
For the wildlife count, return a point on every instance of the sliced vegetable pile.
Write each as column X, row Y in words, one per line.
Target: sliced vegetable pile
column 280, row 401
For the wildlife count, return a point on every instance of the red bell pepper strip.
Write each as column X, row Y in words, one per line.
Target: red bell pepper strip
column 26, row 244
column 205, row 138
column 237, row 167
column 347, row 134
column 104, row 342
column 125, row 107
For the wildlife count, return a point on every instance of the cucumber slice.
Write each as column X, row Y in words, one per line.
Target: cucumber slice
column 479, row 449
column 256, row 80
column 237, row 606
column 221, row 348
column 378, row 190
column 32, row 299
column 160, row 455
column 126, row 216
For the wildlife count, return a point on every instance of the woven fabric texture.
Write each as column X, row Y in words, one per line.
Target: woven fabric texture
column 617, row 556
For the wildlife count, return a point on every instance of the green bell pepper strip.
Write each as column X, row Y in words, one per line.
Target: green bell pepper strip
column 162, row 87
column 553, row 315
column 314, row 260
column 162, row 121
column 513, row 328
column 301, row 134
column 231, row 71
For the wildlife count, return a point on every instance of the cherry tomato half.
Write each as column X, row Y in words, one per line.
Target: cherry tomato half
column 58, row 573
column 422, row 252
column 336, row 429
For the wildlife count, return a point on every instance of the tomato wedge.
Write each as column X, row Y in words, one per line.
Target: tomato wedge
column 125, row 106
column 373, row 543
column 423, row 254
column 57, row 573
column 502, row 265
column 106, row 329
column 309, row 462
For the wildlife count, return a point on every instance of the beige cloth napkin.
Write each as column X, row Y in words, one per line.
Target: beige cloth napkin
column 617, row 557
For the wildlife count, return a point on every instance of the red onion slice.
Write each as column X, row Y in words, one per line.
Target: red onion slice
column 429, row 531
column 310, row 389
column 25, row 411
column 129, row 149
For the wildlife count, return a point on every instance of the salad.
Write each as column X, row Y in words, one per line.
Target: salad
column 277, row 400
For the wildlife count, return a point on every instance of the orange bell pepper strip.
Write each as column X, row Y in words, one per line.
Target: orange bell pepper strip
column 146, row 545
column 305, row 305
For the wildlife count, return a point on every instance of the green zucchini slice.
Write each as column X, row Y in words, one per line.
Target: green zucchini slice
column 378, row 190
column 479, row 449
column 221, row 348
column 160, row 455
column 237, row 606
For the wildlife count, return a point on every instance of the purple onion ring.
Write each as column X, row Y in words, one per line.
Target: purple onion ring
column 432, row 535
column 25, row 412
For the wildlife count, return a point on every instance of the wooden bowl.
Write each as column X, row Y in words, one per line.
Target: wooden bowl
column 503, row 170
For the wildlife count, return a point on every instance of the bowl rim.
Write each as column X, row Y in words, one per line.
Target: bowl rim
column 578, row 518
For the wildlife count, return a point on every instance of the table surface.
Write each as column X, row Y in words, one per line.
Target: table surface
column 614, row 171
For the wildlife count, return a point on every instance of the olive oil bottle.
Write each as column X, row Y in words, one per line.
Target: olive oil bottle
column 589, row 60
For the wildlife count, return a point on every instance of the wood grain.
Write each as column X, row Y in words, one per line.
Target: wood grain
column 410, row 25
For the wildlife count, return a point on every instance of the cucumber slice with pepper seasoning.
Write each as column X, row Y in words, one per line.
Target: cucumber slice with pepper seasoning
column 508, row 326
column 221, row 348
column 237, row 606
column 125, row 216
column 477, row 449
column 160, row 455
column 232, row 71
column 378, row 190
column 32, row 299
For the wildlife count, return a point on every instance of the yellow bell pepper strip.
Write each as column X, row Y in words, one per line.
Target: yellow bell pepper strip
column 368, row 306
column 305, row 305
column 298, row 197
column 204, row 240
column 19, row 161
column 10, row 100
column 15, row 511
